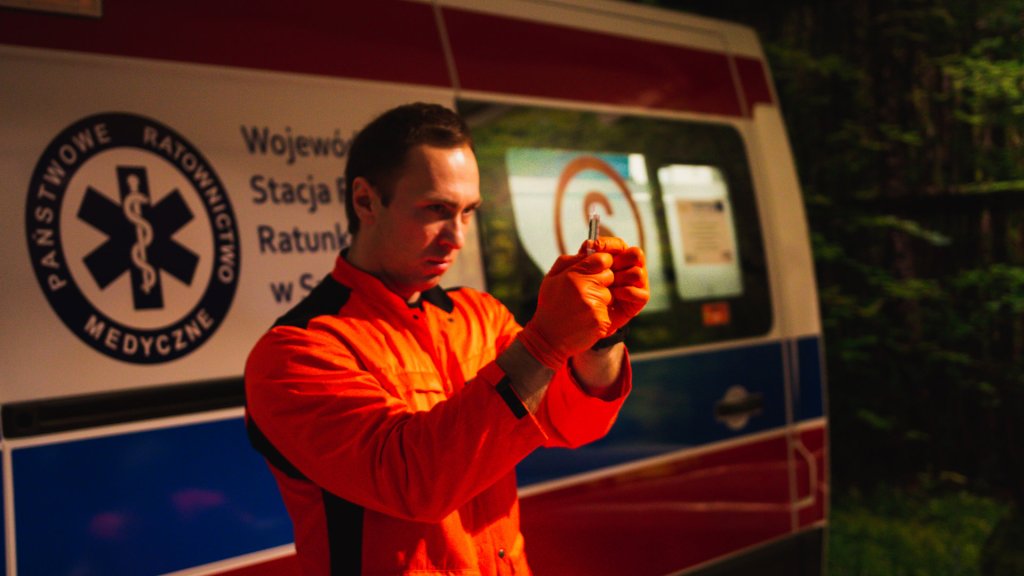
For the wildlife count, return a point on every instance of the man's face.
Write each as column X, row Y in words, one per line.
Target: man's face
column 416, row 237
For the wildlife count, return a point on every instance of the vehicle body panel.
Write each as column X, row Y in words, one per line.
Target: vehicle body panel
column 133, row 456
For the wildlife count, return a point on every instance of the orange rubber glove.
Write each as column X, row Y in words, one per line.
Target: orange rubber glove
column 630, row 289
column 572, row 308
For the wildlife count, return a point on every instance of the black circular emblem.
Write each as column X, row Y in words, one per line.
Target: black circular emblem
column 132, row 238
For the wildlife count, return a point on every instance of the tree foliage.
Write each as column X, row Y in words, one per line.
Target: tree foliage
column 907, row 122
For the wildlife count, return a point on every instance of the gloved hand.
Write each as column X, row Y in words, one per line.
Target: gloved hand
column 630, row 289
column 572, row 308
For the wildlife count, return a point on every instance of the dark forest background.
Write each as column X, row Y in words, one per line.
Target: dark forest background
column 906, row 118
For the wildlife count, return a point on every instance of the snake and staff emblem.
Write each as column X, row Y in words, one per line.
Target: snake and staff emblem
column 132, row 205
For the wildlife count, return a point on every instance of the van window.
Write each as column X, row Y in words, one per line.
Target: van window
column 679, row 189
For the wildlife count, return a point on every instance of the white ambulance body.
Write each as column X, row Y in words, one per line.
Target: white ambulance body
column 172, row 183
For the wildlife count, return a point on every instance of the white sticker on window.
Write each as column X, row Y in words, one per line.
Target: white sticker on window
column 702, row 235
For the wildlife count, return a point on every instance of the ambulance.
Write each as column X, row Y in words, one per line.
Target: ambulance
column 172, row 183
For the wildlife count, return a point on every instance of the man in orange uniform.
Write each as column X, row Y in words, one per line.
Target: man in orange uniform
column 393, row 412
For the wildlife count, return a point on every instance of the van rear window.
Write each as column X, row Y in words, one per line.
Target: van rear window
column 679, row 189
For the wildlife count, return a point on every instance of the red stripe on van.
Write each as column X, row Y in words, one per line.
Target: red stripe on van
column 754, row 79
column 814, row 482
column 381, row 40
column 677, row 513
column 511, row 56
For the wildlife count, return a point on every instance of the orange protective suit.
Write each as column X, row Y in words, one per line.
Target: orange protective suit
column 390, row 434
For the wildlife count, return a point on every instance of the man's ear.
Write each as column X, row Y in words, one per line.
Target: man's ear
column 364, row 199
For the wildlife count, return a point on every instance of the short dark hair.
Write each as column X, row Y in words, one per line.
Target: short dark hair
column 379, row 150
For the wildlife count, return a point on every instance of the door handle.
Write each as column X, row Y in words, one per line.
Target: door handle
column 737, row 407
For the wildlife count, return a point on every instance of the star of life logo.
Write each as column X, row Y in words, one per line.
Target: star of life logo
column 132, row 238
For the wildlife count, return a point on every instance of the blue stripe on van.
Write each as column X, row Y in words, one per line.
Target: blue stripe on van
column 672, row 407
column 809, row 391
column 145, row 503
